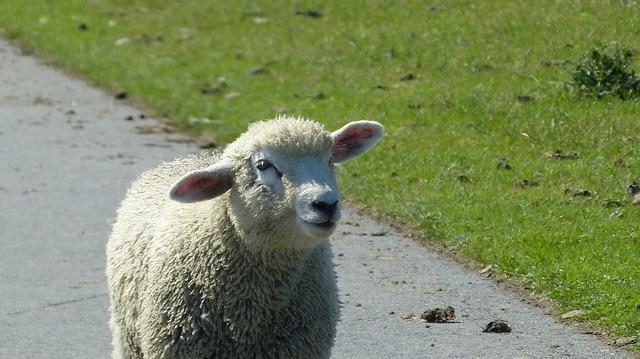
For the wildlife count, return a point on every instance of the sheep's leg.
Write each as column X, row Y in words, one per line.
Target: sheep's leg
column 121, row 348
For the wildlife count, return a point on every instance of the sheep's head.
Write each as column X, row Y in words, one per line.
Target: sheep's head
column 281, row 174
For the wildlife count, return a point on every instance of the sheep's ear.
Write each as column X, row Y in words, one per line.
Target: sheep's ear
column 355, row 139
column 202, row 184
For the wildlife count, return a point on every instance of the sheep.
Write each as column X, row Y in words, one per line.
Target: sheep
column 235, row 261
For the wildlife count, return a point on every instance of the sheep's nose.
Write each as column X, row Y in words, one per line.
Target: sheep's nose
column 327, row 209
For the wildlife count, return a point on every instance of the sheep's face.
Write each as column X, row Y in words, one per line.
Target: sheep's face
column 282, row 179
column 303, row 186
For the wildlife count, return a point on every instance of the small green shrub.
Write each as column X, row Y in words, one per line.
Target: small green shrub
column 604, row 72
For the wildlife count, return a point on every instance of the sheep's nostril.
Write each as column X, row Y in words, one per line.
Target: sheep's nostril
column 326, row 208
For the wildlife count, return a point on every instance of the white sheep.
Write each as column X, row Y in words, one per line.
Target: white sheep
column 235, row 262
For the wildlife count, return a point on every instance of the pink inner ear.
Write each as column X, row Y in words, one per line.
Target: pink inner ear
column 197, row 187
column 351, row 140
column 357, row 134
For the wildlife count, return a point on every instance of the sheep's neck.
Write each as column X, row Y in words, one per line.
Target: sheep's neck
column 285, row 265
column 258, row 287
column 273, row 261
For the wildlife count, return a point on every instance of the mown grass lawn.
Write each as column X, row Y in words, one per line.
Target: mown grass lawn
column 459, row 85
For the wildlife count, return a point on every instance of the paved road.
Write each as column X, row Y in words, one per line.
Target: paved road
column 67, row 156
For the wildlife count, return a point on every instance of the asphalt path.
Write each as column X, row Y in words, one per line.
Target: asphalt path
column 68, row 152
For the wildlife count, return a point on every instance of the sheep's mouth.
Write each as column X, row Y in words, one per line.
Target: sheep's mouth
column 325, row 225
column 319, row 229
column 328, row 224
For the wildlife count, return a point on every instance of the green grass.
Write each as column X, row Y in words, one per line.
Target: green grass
column 459, row 116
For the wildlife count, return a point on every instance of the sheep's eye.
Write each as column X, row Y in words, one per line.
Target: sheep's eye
column 263, row 165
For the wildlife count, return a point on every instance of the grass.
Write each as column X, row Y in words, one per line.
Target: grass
column 459, row 86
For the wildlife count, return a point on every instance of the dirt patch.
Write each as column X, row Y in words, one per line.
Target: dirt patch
column 574, row 313
column 409, row 317
column 612, row 203
column 260, row 70
column 211, row 90
column 463, row 178
column 556, row 63
column 579, row 192
column 314, row 14
column 43, row 101
column 408, row 77
column 562, row 155
column 503, row 164
column 525, row 98
column 525, row 183
column 160, row 127
column 624, row 341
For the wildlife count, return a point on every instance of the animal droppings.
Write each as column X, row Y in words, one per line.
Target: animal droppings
column 497, row 326
column 439, row 315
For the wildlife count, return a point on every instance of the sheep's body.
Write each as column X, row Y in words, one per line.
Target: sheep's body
column 213, row 279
